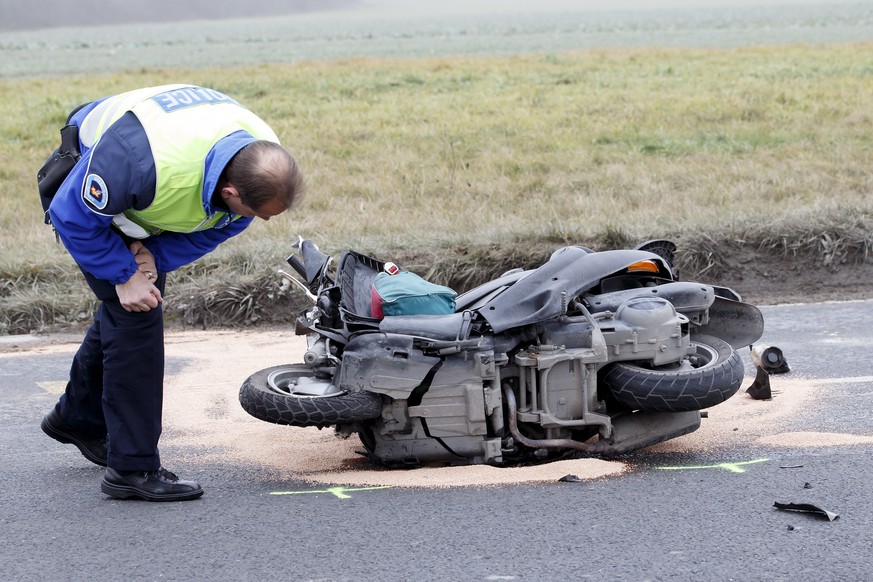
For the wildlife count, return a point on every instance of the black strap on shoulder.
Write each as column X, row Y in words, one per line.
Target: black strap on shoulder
column 57, row 167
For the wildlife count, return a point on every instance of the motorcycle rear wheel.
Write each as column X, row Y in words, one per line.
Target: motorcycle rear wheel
column 292, row 395
column 710, row 376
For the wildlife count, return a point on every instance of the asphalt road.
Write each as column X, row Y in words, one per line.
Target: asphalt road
column 675, row 515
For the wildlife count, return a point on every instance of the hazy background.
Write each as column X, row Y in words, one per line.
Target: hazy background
column 104, row 36
column 21, row 15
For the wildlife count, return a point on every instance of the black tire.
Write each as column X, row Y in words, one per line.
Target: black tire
column 270, row 395
column 710, row 377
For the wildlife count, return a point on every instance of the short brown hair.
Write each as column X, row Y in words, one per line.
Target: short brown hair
column 263, row 171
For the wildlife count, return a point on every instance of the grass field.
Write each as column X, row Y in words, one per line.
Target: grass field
column 461, row 166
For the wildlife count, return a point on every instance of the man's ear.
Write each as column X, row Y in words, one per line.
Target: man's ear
column 229, row 191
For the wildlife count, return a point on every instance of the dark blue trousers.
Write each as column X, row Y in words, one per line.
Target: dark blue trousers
column 117, row 380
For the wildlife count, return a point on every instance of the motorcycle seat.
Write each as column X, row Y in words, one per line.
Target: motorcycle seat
column 450, row 327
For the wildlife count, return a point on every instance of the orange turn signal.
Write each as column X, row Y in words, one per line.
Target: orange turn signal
column 649, row 266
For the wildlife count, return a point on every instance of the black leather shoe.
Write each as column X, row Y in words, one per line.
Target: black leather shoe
column 93, row 448
column 160, row 485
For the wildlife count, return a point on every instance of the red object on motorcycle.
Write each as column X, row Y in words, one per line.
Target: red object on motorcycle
column 375, row 298
column 376, row 304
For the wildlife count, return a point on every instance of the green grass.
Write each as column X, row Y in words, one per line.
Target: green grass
column 461, row 165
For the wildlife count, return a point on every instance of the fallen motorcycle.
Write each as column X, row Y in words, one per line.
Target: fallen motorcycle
column 597, row 353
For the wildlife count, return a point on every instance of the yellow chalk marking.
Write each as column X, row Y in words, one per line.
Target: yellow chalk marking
column 340, row 492
column 732, row 467
column 54, row 386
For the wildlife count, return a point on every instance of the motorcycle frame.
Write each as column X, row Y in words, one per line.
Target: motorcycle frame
column 514, row 375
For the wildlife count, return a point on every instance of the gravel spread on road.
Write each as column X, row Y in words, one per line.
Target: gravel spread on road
column 204, row 423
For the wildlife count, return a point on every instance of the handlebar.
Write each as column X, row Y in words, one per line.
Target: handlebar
column 297, row 265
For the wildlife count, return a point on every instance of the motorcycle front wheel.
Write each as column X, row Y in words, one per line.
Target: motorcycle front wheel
column 710, row 375
column 293, row 395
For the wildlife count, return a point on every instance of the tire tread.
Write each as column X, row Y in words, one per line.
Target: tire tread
column 657, row 391
column 258, row 400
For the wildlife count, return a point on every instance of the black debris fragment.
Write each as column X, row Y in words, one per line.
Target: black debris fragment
column 790, row 466
column 807, row 485
column 760, row 388
column 806, row 508
column 768, row 360
column 570, row 479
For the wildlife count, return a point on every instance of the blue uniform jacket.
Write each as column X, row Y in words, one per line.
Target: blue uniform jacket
column 122, row 159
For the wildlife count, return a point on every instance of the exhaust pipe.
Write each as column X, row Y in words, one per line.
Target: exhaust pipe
column 595, row 448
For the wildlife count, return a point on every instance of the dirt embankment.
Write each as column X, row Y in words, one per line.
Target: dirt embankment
column 262, row 301
column 770, row 280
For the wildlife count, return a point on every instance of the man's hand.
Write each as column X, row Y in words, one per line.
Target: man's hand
column 145, row 260
column 138, row 293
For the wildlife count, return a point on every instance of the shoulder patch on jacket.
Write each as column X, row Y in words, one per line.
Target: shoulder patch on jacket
column 94, row 193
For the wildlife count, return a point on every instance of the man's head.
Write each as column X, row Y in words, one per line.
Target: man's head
column 262, row 180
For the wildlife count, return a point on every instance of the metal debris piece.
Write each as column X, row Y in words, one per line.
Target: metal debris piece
column 806, row 508
column 770, row 358
column 570, row 479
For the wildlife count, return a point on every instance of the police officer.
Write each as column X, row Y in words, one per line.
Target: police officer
column 166, row 174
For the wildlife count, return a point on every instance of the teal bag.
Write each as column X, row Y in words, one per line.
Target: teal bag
column 408, row 294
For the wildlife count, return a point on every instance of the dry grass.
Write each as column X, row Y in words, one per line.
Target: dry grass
column 467, row 165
